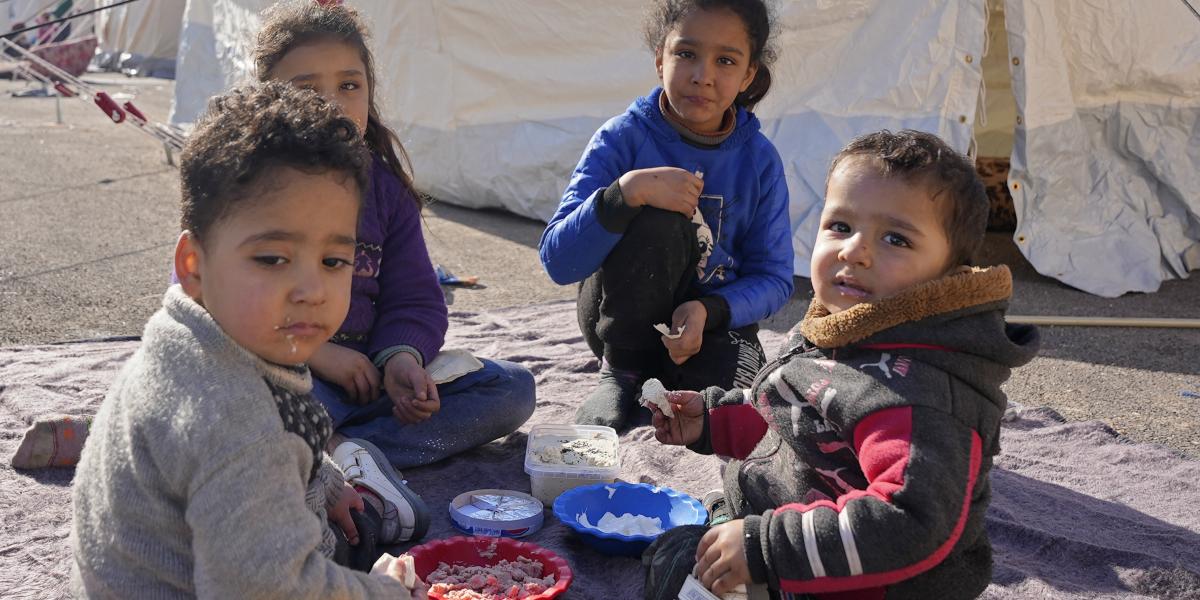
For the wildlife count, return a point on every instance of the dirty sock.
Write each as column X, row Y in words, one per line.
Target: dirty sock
column 52, row 442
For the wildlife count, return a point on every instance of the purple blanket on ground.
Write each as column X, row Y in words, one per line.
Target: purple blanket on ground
column 1077, row 512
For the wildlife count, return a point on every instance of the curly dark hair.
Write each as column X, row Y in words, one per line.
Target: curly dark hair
column 248, row 132
column 664, row 15
column 294, row 23
column 921, row 158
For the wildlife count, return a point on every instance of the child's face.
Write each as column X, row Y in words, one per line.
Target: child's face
column 332, row 69
column 878, row 237
column 276, row 274
column 703, row 65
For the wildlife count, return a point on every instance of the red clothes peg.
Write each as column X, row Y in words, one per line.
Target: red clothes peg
column 133, row 110
column 110, row 107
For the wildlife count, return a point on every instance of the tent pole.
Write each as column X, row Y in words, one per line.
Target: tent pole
column 1104, row 321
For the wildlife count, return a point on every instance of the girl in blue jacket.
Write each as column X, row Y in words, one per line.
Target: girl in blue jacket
column 677, row 214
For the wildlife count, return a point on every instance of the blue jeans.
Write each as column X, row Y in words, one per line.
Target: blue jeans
column 476, row 409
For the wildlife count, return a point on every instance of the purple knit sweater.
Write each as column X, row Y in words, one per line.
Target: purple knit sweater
column 395, row 298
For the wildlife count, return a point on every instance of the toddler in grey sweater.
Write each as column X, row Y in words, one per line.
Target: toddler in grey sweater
column 204, row 474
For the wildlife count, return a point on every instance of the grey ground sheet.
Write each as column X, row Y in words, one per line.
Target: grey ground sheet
column 1077, row 511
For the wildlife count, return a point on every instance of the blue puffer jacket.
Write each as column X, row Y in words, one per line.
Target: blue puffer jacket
column 744, row 202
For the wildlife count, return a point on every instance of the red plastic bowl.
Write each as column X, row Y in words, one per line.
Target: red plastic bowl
column 464, row 550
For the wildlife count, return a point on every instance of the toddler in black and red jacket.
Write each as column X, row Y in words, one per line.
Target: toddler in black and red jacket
column 862, row 453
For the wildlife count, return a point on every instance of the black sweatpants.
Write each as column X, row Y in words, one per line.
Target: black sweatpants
column 649, row 273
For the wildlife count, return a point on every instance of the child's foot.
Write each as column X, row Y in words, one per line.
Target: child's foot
column 52, row 442
column 405, row 516
column 613, row 400
column 717, row 506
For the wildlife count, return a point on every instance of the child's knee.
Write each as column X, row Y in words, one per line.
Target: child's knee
column 656, row 223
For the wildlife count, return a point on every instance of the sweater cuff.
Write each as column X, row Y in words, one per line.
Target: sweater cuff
column 756, row 554
column 382, row 356
column 703, row 445
column 718, row 312
column 612, row 212
column 332, row 480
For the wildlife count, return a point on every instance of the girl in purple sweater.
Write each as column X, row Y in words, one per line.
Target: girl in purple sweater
column 372, row 376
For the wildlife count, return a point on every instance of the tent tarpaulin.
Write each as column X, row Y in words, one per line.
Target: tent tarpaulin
column 1106, row 166
column 495, row 101
column 142, row 34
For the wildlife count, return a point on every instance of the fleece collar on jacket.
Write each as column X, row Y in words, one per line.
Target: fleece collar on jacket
column 962, row 289
column 645, row 108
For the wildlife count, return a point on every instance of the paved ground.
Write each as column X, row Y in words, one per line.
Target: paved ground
column 88, row 217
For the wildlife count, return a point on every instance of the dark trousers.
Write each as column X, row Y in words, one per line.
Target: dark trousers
column 649, row 273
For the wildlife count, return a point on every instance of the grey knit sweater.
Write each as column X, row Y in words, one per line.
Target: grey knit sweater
column 189, row 485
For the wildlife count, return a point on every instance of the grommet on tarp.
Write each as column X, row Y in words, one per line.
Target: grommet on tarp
column 110, row 107
column 1016, row 61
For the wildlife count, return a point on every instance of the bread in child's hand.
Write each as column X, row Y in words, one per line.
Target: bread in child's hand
column 389, row 565
column 653, row 392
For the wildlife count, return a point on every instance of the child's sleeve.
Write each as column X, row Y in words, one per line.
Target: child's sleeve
column 253, row 536
column 410, row 310
column 592, row 216
column 764, row 282
column 922, row 466
column 732, row 426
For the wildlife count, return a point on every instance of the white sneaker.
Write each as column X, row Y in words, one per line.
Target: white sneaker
column 365, row 465
column 717, row 506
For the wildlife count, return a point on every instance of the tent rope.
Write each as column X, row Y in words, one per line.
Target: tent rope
column 67, row 18
column 1191, row 8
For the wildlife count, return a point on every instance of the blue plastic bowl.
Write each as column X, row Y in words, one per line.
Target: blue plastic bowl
column 674, row 508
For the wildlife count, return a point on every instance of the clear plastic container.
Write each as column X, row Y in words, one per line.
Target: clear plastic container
column 561, row 457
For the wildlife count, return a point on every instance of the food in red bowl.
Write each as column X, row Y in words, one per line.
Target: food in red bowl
column 487, row 568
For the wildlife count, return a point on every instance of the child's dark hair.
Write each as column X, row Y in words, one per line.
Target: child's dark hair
column 248, row 132
column 922, row 158
column 664, row 15
column 293, row 23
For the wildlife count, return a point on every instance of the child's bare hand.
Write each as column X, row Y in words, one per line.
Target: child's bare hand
column 667, row 188
column 693, row 315
column 351, row 370
column 413, row 393
column 721, row 558
column 339, row 513
column 687, row 424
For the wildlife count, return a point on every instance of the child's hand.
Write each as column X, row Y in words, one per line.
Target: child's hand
column 339, row 513
column 721, row 558
column 693, row 315
column 351, row 370
column 667, row 188
column 413, row 393
column 687, row 424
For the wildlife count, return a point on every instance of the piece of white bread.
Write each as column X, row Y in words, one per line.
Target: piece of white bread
column 654, row 393
column 410, row 571
column 666, row 331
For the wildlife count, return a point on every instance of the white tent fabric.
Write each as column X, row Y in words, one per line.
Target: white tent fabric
column 495, row 101
column 148, row 30
column 1106, row 166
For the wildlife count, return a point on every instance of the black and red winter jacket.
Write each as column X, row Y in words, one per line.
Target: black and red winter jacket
column 863, row 451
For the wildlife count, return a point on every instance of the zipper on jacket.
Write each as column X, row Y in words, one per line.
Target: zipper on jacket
column 775, row 364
